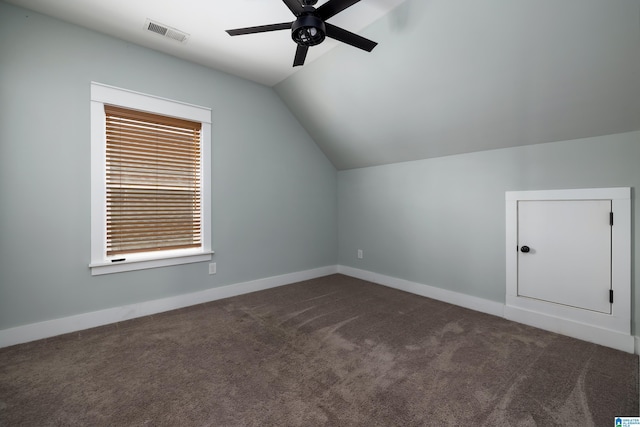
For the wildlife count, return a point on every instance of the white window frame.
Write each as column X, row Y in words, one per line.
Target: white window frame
column 101, row 263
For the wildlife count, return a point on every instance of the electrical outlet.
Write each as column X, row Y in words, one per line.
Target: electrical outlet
column 212, row 268
column 359, row 253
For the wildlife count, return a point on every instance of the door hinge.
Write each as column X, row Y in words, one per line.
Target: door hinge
column 611, row 218
column 610, row 296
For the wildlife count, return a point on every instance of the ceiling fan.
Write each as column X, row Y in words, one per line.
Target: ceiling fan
column 310, row 28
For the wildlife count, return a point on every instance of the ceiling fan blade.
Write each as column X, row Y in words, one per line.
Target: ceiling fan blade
column 301, row 55
column 260, row 29
column 294, row 6
column 333, row 7
column 350, row 38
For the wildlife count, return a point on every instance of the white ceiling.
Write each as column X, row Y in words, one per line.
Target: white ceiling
column 459, row 76
column 266, row 58
column 447, row 77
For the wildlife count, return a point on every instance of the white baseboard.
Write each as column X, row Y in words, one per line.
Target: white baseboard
column 50, row 328
column 605, row 337
column 582, row 331
column 456, row 298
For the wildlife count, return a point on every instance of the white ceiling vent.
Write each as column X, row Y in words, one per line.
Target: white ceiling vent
column 166, row 31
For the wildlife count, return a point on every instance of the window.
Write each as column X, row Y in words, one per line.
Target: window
column 150, row 181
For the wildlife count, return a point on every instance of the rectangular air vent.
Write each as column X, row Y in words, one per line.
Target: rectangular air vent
column 166, row 31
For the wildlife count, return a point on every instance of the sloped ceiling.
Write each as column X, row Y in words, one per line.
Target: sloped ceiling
column 265, row 58
column 447, row 77
column 459, row 76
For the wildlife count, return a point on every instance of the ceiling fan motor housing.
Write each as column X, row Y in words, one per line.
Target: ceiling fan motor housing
column 308, row 30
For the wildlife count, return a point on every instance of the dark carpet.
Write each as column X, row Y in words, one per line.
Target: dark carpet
column 334, row 351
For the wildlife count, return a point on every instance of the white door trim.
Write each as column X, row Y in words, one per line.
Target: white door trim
column 561, row 318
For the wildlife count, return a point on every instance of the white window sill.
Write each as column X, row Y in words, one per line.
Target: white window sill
column 142, row 263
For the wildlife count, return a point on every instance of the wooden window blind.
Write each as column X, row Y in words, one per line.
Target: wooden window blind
column 153, row 182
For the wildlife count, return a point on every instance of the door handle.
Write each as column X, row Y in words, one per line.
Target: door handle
column 525, row 249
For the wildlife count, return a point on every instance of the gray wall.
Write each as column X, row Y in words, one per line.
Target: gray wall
column 275, row 209
column 441, row 221
column 274, row 191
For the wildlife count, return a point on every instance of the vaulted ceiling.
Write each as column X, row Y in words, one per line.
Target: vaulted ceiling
column 265, row 58
column 457, row 76
column 447, row 77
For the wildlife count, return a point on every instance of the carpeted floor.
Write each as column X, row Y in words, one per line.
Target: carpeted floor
column 333, row 351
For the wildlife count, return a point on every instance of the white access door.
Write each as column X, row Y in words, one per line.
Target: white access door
column 564, row 252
